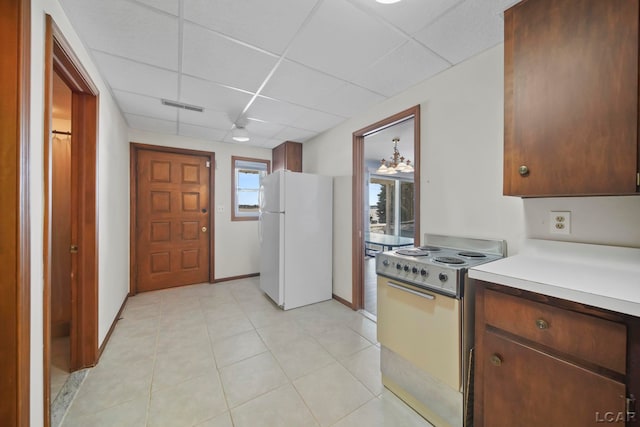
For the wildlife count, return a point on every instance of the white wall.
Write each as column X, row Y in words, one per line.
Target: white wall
column 237, row 250
column 461, row 169
column 113, row 195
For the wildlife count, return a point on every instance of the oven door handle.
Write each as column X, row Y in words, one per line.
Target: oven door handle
column 411, row 291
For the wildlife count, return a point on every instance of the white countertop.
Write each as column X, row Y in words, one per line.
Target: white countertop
column 602, row 276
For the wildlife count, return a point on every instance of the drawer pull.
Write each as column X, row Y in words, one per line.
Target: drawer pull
column 411, row 291
column 542, row 324
column 496, row 360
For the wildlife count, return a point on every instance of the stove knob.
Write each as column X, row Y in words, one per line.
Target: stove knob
column 385, row 263
column 424, row 273
column 414, row 270
column 398, row 267
column 443, row 277
column 406, row 268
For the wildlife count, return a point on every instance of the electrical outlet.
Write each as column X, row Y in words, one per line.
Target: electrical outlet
column 220, row 209
column 560, row 222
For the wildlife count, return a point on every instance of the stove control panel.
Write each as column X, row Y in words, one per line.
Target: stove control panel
column 419, row 273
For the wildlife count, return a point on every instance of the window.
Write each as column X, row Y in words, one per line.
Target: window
column 246, row 175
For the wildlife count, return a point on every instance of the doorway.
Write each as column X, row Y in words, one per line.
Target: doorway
column 70, row 256
column 172, row 226
column 386, row 205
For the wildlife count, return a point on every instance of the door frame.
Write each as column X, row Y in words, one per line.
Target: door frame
column 60, row 58
column 136, row 147
column 357, row 221
column 15, row 247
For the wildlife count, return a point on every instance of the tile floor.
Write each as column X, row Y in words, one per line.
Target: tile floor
column 224, row 355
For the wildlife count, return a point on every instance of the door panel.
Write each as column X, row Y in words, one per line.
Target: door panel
column 172, row 219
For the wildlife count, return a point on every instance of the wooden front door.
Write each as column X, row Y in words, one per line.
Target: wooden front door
column 172, row 219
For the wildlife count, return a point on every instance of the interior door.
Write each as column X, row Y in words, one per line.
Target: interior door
column 172, row 219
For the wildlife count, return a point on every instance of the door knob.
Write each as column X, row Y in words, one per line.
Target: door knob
column 204, row 229
column 523, row 170
column 73, row 249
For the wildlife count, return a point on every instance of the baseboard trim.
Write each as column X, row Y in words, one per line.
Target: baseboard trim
column 227, row 279
column 113, row 326
column 343, row 301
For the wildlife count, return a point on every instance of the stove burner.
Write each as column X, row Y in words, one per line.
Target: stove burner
column 430, row 248
column 472, row 254
column 412, row 252
column 449, row 260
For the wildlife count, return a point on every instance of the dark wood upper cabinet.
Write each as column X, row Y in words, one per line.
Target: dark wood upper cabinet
column 571, row 98
column 287, row 156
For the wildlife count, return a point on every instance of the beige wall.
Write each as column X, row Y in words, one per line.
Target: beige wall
column 461, row 169
column 237, row 250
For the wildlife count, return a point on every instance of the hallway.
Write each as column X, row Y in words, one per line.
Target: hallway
column 224, row 355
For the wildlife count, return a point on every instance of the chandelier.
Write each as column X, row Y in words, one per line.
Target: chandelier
column 396, row 163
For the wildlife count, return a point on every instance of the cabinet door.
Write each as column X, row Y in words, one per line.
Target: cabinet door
column 525, row 387
column 571, row 98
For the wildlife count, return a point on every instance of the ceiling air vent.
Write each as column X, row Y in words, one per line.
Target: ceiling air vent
column 182, row 105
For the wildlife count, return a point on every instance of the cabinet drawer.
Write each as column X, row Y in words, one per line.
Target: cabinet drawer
column 585, row 337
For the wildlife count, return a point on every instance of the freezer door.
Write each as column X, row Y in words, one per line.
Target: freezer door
column 272, row 256
column 272, row 192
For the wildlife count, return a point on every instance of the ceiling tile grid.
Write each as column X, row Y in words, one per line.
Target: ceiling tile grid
column 290, row 69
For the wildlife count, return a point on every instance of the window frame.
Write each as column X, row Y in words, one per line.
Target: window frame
column 234, row 189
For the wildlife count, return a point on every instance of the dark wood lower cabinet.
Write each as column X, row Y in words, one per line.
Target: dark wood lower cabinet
column 526, row 387
column 523, row 379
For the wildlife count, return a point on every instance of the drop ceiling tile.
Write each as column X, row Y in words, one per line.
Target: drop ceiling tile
column 197, row 91
column 342, row 40
column 294, row 134
column 263, row 129
column 348, row 100
column 151, row 124
column 142, row 105
column 218, row 59
column 298, row 84
column 408, row 16
column 269, row 24
column 469, row 28
column 318, row 121
column 131, row 76
column 406, row 66
column 169, row 6
column 126, row 29
column 201, row 132
column 208, row 118
column 271, row 110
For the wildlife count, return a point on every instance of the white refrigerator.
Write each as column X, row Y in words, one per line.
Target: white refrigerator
column 296, row 211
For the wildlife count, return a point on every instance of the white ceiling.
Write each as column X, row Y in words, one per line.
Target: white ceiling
column 291, row 68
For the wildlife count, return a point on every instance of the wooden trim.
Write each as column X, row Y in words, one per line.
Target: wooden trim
column 60, row 58
column 243, row 276
column 15, row 267
column 113, row 327
column 233, row 186
column 342, row 301
column 135, row 147
column 357, row 245
column 47, row 220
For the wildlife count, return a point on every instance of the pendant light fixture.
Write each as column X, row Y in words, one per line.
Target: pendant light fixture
column 396, row 163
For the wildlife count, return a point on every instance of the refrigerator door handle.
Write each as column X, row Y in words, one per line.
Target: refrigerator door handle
column 260, row 227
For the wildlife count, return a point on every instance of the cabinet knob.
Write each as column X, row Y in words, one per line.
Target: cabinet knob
column 542, row 324
column 523, row 170
column 496, row 360
column 204, row 229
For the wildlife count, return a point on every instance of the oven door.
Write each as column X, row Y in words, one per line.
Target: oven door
column 422, row 327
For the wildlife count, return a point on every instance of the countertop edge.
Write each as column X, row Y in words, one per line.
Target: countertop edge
column 595, row 300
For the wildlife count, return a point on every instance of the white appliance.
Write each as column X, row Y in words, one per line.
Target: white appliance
column 296, row 211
